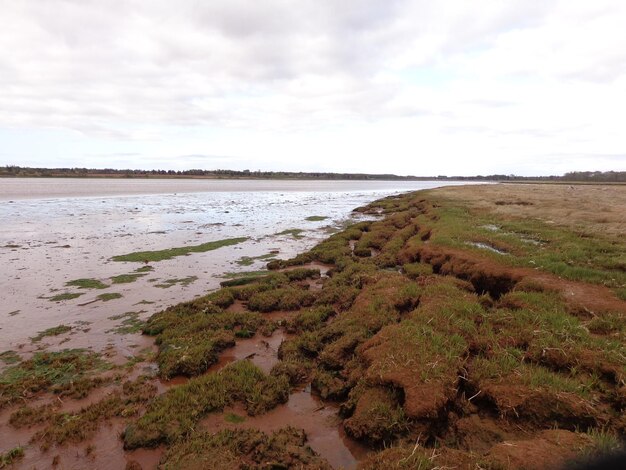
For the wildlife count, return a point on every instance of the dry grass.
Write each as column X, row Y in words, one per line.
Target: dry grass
column 597, row 208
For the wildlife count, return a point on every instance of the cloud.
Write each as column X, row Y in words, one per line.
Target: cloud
column 492, row 81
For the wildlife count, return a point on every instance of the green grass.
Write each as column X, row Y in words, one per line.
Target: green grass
column 234, row 418
column 244, row 448
column 236, row 275
column 109, row 296
column 558, row 250
column 316, row 218
column 144, row 269
column 160, row 255
column 65, row 296
column 604, row 442
column 11, row 456
column 249, row 260
column 190, row 335
column 185, row 281
column 126, row 278
column 295, row 233
column 175, row 413
column 130, row 323
column 287, row 298
column 379, row 416
column 66, row 372
column 73, row 427
column 9, row 357
column 87, row 284
column 54, row 331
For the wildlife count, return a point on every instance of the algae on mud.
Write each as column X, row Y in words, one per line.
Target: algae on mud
column 67, row 372
column 160, row 255
column 54, row 331
column 87, row 283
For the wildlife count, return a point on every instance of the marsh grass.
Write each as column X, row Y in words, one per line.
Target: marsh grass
column 85, row 283
column 286, row 298
column 183, row 281
column 9, row 457
column 175, row 413
column 10, row 357
column 160, row 255
column 245, row 274
column 295, row 233
column 532, row 242
column 144, row 269
column 126, row 278
column 67, row 372
column 62, row 427
column 401, row 345
column 65, row 296
column 249, row 260
column 604, row 442
column 234, row 418
column 109, row 296
column 130, row 323
column 244, row 448
column 191, row 334
column 54, row 331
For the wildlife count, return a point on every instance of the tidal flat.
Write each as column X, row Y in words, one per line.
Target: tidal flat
column 399, row 341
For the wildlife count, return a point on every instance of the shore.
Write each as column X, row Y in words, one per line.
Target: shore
column 469, row 325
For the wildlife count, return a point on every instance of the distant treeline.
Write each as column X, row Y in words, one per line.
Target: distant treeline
column 17, row 171
column 599, row 176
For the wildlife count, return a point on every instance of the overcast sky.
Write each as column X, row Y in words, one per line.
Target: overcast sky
column 421, row 87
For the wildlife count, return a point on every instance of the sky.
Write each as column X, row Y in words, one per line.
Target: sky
column 411, row 87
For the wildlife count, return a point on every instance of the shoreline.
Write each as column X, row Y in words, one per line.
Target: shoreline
column 348, row 352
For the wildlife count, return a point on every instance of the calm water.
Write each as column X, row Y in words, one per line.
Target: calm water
column 41, row 188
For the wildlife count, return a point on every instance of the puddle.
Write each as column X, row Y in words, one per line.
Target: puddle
column 104, row 452
column 303, row 409
column 262, row 351
column 485, row 246
column 306, row 411
column 323, row 268
column 531, row 241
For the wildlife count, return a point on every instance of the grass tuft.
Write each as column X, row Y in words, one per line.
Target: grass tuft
column 160, row 255
column 54, row 331
column 87, row 284
column 126, row 278
column 109, row 296
column 65, row 296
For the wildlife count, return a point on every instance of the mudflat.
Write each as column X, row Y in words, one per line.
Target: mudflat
column 466, row 327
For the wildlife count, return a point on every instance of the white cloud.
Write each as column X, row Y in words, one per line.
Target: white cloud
column 383, row 86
